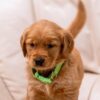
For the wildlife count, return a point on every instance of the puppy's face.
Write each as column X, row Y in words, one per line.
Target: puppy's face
column 44, row 44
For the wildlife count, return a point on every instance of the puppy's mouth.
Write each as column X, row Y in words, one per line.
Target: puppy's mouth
column 44, row 73
column 43, row 70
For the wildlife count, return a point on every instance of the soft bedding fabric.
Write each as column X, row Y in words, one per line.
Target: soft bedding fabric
column 5, row 94
column 90, row 88
column 15, row 16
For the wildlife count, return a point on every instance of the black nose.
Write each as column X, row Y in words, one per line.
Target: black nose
column 39, row 61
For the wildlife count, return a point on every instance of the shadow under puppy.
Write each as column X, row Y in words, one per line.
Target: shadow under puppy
column 54, row 66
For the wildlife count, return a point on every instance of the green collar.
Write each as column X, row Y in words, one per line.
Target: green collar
column 49, row 80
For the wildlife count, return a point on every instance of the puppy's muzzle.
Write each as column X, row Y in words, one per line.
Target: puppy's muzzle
column 39, row 61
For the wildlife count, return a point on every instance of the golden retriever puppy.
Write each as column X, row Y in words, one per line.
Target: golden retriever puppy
column 54, row 67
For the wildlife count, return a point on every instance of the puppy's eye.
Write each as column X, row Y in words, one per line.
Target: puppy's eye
column 49, row 46
column 32, row 45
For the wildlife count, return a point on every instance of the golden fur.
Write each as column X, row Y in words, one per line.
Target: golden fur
column 48, row 40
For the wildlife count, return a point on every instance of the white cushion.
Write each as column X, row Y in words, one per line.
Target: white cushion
column 5, row 94
column 58, row 11
column 95, row 90
column 90, row 87
column 15, row 16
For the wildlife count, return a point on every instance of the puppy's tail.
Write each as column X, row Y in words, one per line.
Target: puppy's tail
column 79, row 20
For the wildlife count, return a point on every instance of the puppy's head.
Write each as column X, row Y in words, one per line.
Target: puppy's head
column 44, row 44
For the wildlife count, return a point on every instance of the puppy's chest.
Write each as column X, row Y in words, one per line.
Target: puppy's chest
column 53, row 90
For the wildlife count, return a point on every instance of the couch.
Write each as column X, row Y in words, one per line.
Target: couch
column 16, row 15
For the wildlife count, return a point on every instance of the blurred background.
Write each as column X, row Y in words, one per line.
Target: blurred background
column 16, row 15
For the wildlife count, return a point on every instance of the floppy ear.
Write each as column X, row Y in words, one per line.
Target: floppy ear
column 67, row 45
column 22, row 42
